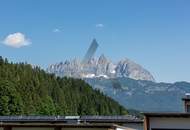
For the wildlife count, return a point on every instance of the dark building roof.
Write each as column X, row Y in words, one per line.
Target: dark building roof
column 178, row 114
column 112, row 122
column 32, row 119
column 65, row 119
column 186, row 99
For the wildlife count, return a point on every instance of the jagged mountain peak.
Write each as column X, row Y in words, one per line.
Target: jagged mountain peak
column 126, row 60
column 102, row 57
column 130, row 69
column 103, row 60
column 101, row 67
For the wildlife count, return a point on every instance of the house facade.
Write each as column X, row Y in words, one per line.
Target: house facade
column 169, row 121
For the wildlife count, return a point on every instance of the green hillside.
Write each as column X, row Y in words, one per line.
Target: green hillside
column 29, row 90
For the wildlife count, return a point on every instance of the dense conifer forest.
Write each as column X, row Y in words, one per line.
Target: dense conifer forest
column 28, row 90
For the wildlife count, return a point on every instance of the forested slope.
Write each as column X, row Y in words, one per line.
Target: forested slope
column 29, row 90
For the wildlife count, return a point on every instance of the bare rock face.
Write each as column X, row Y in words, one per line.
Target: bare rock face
column 101, row 67
column 129, row 69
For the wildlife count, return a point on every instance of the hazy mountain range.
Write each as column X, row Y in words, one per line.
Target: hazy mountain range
column 127, row 82
column 143, row 95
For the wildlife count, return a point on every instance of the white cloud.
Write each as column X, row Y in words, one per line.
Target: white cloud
column 99, row 25
column 16, row 40
column 57, row 30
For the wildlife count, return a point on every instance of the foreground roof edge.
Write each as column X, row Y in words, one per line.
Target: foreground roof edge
column 167, row 114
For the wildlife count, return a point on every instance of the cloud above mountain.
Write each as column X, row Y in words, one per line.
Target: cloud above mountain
column 16, row 40
column 57, row 30
column 100, row 25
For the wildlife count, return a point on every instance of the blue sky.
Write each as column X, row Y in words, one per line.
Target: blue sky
column 153, row 33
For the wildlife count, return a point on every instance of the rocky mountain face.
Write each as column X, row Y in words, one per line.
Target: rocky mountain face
column 129, row 69
column 101, row 67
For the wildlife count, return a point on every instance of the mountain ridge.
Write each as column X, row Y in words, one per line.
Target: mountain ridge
column 126, row 82
column 143, row 95
column 101, row 67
